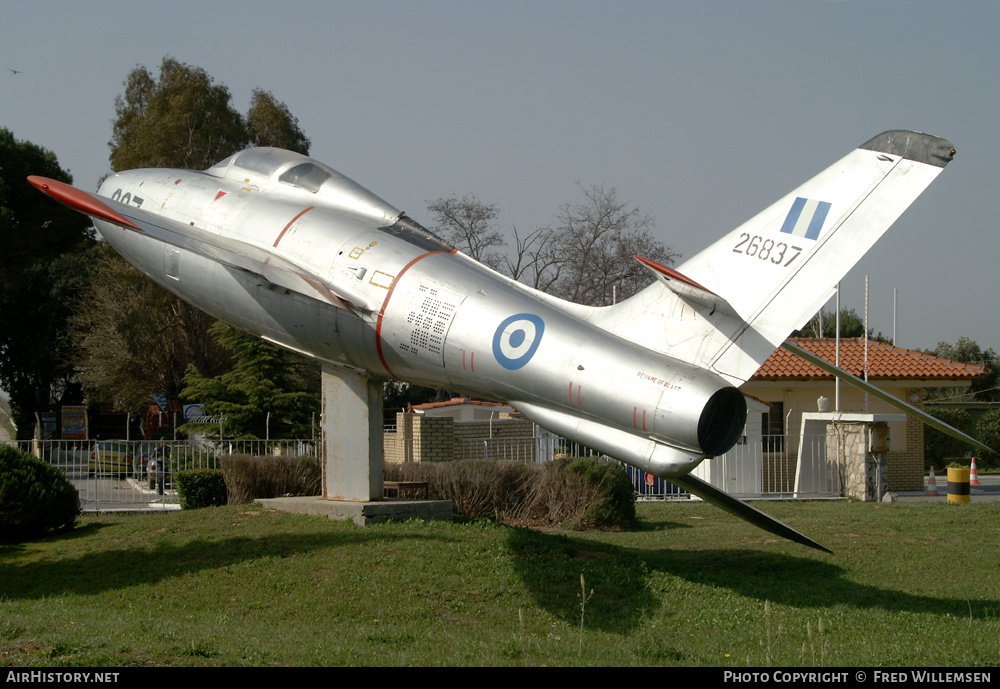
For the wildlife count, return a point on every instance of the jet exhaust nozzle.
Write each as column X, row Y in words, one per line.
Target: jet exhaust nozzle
column 722, row 421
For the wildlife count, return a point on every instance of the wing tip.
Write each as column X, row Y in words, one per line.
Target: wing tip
column 79, row 200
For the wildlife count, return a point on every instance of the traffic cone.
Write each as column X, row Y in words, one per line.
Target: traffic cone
column 931, row 486
column 974, row 474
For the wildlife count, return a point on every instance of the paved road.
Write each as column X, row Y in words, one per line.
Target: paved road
column 108, row 492
column 989, row 491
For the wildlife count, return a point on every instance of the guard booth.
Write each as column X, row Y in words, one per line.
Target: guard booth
column 849, row 458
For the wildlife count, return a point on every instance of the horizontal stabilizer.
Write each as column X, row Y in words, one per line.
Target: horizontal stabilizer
column 685, row 287
column 908, row 409
column 231, row 252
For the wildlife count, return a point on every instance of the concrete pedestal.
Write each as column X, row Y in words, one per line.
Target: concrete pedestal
column 352, row 458
column 363, row 513
column 352, row 435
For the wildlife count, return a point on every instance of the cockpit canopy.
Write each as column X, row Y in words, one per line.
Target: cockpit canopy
column 304, row 173
column 296, row 171
column 330, row 188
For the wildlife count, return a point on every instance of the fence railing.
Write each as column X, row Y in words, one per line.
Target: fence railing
column 116, row 474
column 110, row 473
column 525, row 449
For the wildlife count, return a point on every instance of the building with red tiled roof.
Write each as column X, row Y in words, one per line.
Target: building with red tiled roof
column 462, row 409
column 885, row 362
column 793, row 386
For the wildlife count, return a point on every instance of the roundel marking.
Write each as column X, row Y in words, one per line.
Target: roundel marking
column 516, row 339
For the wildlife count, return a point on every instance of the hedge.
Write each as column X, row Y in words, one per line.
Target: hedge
column 35, row 498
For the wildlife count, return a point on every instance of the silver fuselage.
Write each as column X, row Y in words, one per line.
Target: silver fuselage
column 415, row 309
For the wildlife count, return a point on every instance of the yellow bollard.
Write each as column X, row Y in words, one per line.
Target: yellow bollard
column 958, row 485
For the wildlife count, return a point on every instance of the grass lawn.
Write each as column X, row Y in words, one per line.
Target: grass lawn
column 907, row 585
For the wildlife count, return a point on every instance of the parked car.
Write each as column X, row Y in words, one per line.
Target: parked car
column 110, row 458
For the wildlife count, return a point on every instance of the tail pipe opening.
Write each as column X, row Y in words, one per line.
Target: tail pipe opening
column 722, row 421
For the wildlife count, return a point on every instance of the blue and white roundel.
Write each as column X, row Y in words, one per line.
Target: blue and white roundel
column 516, row 339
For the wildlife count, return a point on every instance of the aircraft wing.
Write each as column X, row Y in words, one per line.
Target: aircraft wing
column 230, row 252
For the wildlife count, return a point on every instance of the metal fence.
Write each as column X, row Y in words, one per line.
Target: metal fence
column 545, row 448
column 525, row 449
column 121, row 474
column 116, row 474
column 761, row 467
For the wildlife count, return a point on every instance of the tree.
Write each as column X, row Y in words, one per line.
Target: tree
column 967, row 351
column 268, row 392
column 139, row 339
column 940, row 448
column 469, row 224
column 851, row 325
column 44, row 270
column 185, row 120
column 135, row 338
column 593, row 248
column 988, row 433
column 269, row 123
column 182, row 120
column 588, row 257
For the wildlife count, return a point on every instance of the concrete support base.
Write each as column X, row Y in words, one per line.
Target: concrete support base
column 363, row 513
column 352, row 435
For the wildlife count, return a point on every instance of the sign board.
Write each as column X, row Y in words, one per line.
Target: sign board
column 74, row 422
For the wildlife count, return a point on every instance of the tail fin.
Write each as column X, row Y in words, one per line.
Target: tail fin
column 730, row 306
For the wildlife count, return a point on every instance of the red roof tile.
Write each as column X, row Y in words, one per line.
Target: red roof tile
column 885, row 362
column 454, row 402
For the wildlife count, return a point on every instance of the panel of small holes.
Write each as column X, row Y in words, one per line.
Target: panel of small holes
column 428, row 318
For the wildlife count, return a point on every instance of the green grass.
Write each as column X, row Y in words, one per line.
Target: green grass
column 908, row 585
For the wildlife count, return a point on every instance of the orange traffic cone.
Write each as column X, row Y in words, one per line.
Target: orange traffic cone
column 931, row 486
column 974, row 474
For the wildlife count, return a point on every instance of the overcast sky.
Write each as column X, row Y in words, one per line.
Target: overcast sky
column 698, row 113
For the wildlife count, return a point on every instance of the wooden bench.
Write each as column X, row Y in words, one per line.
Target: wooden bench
column 396, row 489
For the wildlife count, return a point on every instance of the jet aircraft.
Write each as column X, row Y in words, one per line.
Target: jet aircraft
column 285, row 247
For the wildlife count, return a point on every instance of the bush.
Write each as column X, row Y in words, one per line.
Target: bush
column 34, row 497
column 576, row 493
column 940, row 448
column 249, row 477
column 988, row 433
column 200, row 488
column 615, row 505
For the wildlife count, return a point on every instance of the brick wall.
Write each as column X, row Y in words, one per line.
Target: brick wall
column 906, row 469
column 422, row 438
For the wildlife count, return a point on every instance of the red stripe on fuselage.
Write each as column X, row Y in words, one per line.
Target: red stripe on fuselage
column 290, row 223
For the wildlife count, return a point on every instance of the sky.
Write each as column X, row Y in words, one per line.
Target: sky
column 700, row 114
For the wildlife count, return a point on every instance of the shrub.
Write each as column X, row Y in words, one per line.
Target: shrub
column 615, row 504
column 988, row 433
column 200, row 488
column 576, row 493
column 940, row 448
column 249, row 477
column 34, row 497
